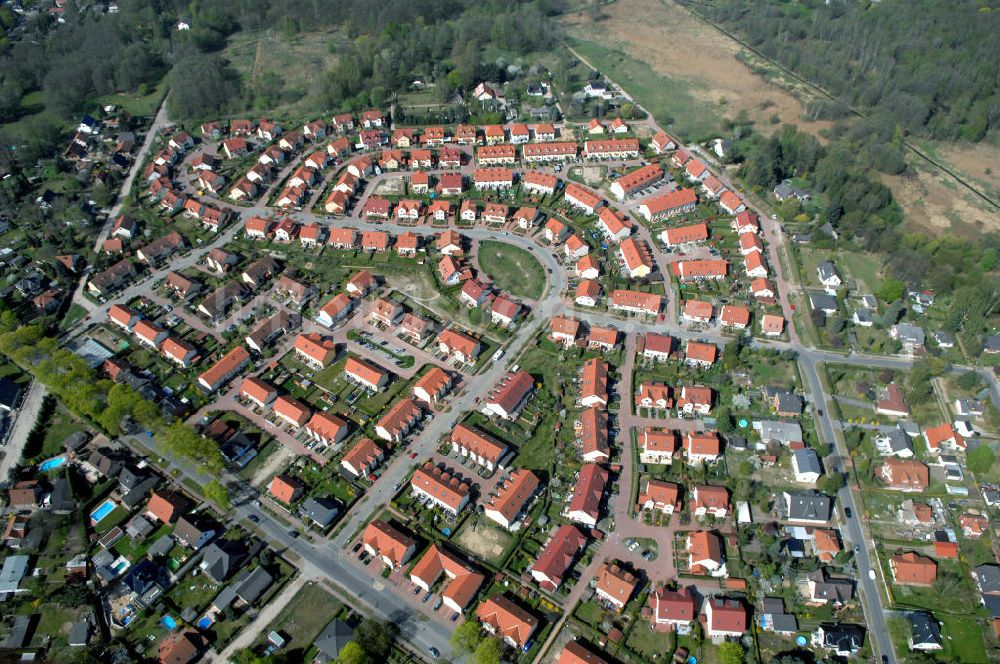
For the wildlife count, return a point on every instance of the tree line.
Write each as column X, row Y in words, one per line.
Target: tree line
column 930, row 65
column 108, row 405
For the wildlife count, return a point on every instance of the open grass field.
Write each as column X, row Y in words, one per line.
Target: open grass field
column 512, row 269
column 698, row 75
column 934, row 203
column 297, row 61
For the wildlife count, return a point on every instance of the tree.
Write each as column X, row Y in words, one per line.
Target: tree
column 831, row 483
column 891, row 290
column 375, row 637
column 731, row 354
column 466, row 637
column 353, row 653
column 724, row 422
column 487, row 652
column 218, row 494
column 981, row 459
column 970, row 380
column 730, row 653
column 201, row 85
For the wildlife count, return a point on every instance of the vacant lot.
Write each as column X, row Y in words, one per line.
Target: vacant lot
column 702, row 77
column 307, row 614
column 512, row 269
column 934, row 202
column 298, row 62
column 481, row 538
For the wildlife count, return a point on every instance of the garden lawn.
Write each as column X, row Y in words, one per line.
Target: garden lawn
column 512, row 269
column 963, row 638
column 308, row 613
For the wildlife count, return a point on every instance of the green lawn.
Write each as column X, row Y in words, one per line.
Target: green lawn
column 306, row 615
column 143, row 103
column 963, row 639
column 61, row 426
column 650, row 644
column 73, row 315
column 669, row 99
column 512, row 269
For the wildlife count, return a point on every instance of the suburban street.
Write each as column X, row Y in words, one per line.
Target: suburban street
column 324, row 560
column 24, row 421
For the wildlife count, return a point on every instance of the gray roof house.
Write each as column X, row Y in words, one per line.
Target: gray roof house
column 772, row 431
column 79, row 634
column 221, row 558
column 14, row 569
column 828, row 589
column 321, row 511
column 161, row 547
column 192, row 533
column 828, row 275
column 786, row 403
column 20, row 632
column 805, row 463
column 909, row 335
column 774, row 618
column 969, row 407
column 76, row 440
column 925, row 632
column 841, row 640
column 824, row 302
column 138, row 527
column 988, row 579
column 894, row 442
column 787, row 190
column 247, row 588
column 807, row 506
column 332, row 639
column 991, row 344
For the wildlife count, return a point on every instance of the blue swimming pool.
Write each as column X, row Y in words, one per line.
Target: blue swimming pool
column 51, row 464
column 169, row 622
column 105, row 508
column 205, row 622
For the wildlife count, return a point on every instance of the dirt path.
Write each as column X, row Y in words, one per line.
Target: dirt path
column 268, row 614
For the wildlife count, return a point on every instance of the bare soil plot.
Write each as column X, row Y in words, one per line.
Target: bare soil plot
column 391, row 186
column 934, row 203
column 484, row 540
column 678, row 45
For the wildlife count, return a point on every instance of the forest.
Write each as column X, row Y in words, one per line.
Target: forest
column 931, row 65
column 95, row 53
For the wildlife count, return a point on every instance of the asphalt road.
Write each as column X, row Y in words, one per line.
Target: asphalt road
column 851, row 529
column 24, row 422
